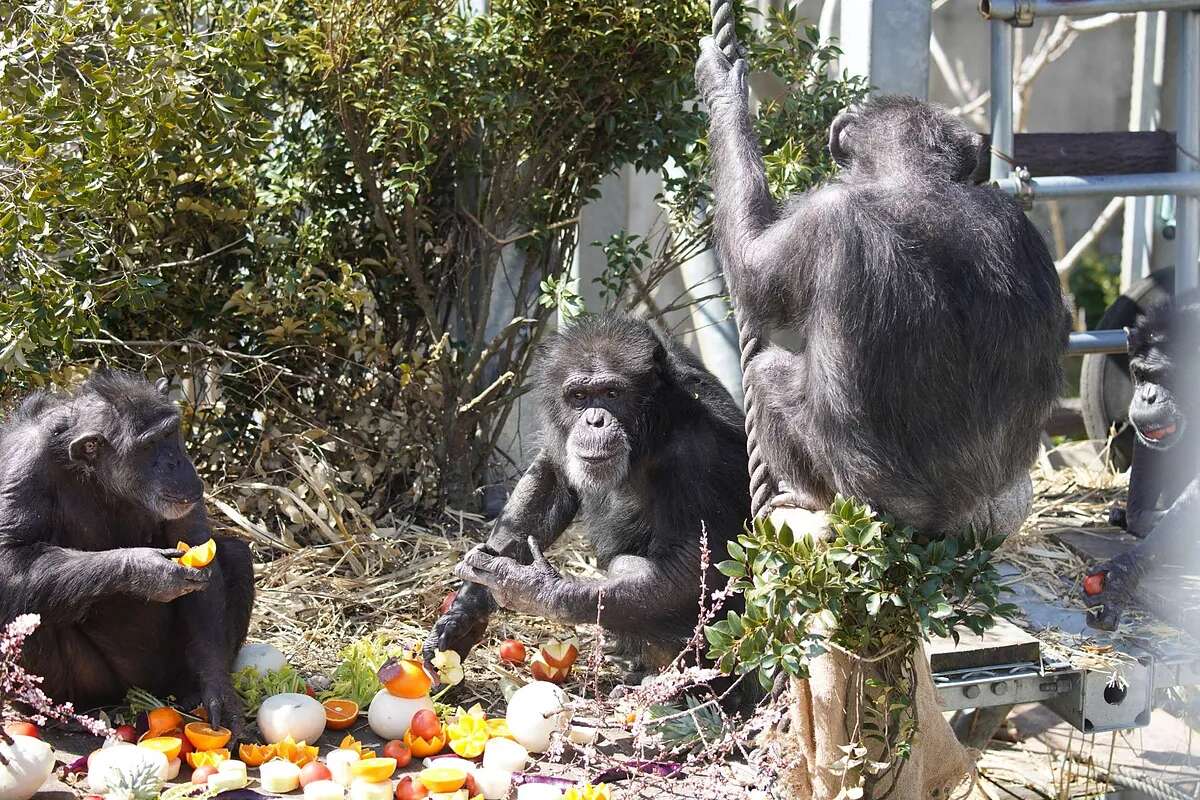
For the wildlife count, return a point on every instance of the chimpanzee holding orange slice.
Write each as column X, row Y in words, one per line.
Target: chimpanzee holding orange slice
column 96, row 491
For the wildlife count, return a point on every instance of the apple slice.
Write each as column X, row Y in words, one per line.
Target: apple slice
column 543, row 670
column 560, row 654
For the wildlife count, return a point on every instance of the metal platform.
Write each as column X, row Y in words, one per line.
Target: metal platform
column 1010, row 665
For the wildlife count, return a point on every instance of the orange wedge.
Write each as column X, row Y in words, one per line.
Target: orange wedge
column 373, row 770
column 442, row 779
column 299, row 753
column 169, row 746
column 161, row 720
column 199, row 556
column 340, row 714
column 207, row 758
column 205, row 738
column 255, row 755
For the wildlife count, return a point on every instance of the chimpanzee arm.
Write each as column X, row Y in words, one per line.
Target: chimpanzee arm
column 62, row 584
column 203, row 618
column 541, row 508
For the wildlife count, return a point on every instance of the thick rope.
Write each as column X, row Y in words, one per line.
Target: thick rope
column 762, row 485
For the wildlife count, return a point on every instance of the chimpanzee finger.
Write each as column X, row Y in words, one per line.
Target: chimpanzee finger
column 170, row 552
column 538, row 558
column 478, row 559
column 469, row 573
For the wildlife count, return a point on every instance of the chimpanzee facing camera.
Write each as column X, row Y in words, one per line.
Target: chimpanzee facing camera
column 1164, row 491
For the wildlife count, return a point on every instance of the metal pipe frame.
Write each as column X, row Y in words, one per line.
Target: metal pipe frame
column 1001, row 103
column 1187, row 137
column 1087, row 342
column 1184, row 184
column 1023, row 12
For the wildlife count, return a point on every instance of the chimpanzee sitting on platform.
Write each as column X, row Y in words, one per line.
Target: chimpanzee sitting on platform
column 95, row 491
column 1164, row 359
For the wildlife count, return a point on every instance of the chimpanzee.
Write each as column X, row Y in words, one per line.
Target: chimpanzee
column 646, row 450
column 930, row 318
column 95, row 491
column 1164, row 361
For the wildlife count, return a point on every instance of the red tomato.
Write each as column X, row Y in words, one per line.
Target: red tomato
column 425, row 725
column 447, row 602
column 92, row 797
column 398, row 750
column 314, row 771
column 200, row 775
column 512, row 651
column 21, row 729
column 1094, row 584
column 127, row 733
column 409, row 789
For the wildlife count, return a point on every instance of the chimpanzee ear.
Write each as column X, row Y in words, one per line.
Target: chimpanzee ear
column 163, row 385
column 971, row 152
column 839, row 140
column 83, row 448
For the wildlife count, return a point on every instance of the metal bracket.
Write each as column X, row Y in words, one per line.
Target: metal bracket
column 1025, row 187
column 1023, row 18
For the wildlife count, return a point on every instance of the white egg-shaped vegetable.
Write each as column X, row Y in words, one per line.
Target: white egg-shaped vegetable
column 389, row 716
column 505, row 754
column 339, row 762
column 227, row 781
column 370, row 790
column 538, row 791
column 260, row 655
column 453, row 762
column 324, row 790
column 279, row 776
column 30, row 762
column 535, row 711
column 173, row 767
column 291, row 714
column 493, row 784
column 233, row 765
column 107, row 763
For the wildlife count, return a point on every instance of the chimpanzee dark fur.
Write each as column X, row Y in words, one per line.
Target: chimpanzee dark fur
column 645, row 449
column 95, row 491
column 1164, row 360
column 930, row 317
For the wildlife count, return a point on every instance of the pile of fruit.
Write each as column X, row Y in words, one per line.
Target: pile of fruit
column 467, row 756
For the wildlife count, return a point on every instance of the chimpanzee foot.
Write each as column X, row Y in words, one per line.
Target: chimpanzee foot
column 783, row 510
column 1117, row 517
column 1108, row 590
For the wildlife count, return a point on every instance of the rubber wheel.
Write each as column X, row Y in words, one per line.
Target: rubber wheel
column 1105, row 387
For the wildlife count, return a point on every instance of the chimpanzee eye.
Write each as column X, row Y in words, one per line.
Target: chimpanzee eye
column 612, row 393
column 578, row 395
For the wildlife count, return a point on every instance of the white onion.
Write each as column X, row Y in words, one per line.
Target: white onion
column 370, row 790
column 505, row 754
column 30, row 761
column 339, row 762
column 291, row 714
column 263, row 657
column 389, row 716
column 535, row 711
column 278, row 776
column 493, row 783
column 324, row 790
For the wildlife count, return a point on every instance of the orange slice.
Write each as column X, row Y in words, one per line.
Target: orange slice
column 161, row 720
column 199, row 556
column 299, row 753
column 169, row 746
column 373, row 770
column 442, row 779
column 340, row 714
column 207, row 758
column 205, row 738
column 255, row 755
column 405, row 678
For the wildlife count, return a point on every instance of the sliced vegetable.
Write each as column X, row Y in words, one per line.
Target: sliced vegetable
column 279, row 776
column 560, row 654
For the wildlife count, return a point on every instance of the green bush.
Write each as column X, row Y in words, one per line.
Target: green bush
column 305, row 209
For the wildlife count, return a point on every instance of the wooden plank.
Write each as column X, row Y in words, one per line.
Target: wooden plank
column 1095, row 544
column 1107, row 153
column 1005, row 643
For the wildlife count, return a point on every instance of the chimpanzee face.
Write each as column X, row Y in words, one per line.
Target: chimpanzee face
column 1155, row 411
column 598, row 443
column 131, row 443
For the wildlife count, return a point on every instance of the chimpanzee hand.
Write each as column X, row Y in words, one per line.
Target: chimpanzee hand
column 1120, row 579
column 721, row 84
column 222, row 703
column 461, row 627
column 152, row 575
column 526, row 588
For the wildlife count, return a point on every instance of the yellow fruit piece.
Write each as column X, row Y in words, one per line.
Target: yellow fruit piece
column 469, row 746
column 207, row 758
column 374, row 770
column 255, row 755
column 442, row 779
column 350, row 743
column 204, row 737
column 498, row 729
column 299, row 753
column 588, row 792
column 199, row 556
column 169, row 746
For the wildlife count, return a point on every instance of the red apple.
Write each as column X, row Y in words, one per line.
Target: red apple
column 200, row 775
column 409, row 789
column 512, row 651
column 560, row 654
column 314, row 771
column 21, row 729
column 398, row 750
column 425, row 725
column 127, row 733
column 1094, row 584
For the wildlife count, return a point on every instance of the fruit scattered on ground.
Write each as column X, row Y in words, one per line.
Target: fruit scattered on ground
column 350, row 743
column 255, row 755
column 279, row 777
column 161, row 721
column 204, row 737
column 389, row 716
column 398, row 750
column 1094, row 584
column 373, row 770
column 560, row 654
column 442, row 779
column 543, row 670
column 201, row 774
column 340, row 714
column 314, row 771
column 126, row 733
column 169, row 746
column 291, row 714
column 423, row 748
column 298, row 753
column 409, row 788
column 425, row 724
column 213, row 758
column 512, row 651
column 405, row 677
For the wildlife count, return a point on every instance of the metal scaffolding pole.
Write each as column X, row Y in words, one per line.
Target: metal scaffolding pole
column 1002, row 99
column 1023, row 12
column 1187, row 237
column 1184, row 184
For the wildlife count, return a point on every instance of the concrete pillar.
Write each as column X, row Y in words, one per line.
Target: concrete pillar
column 887, row 42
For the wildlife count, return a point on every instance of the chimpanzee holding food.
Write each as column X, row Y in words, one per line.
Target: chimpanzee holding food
column 95, row 491
column 1164, row 361
column 646, row 450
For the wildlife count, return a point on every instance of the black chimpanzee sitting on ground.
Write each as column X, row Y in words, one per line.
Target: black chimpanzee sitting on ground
column 1164, row 360
column 95, row 491
column 646, row 450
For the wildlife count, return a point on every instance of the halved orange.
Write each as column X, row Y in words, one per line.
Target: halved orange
column 443, row 779
column 340, row 714
column 199, row 556
column 161, row 720
column 169, row 746
column 207, row 758
column 405, row 678
column 206, row 738
column 373, row 770
column 255, row 755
